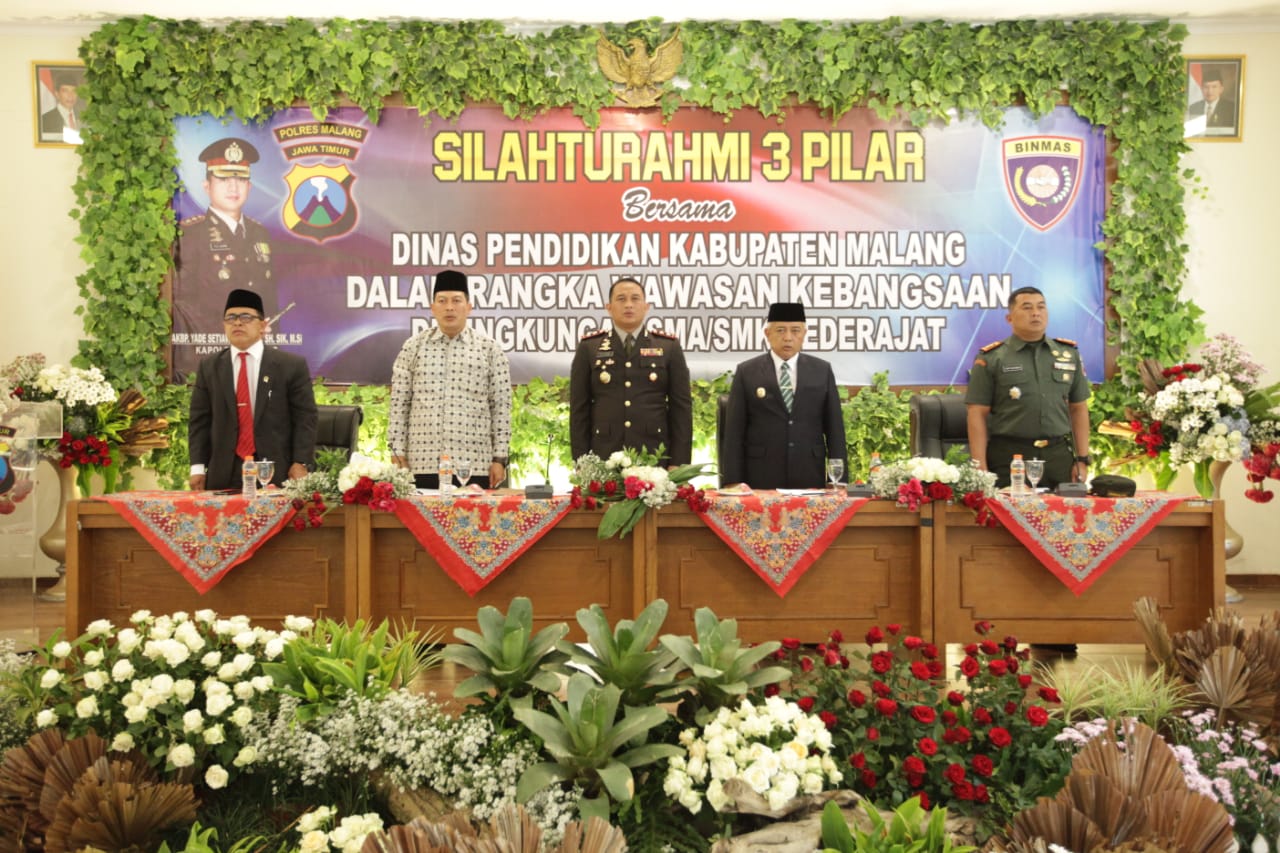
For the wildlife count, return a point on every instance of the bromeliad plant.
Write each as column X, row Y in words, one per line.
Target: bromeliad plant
column 912, row 829
column 721, row 668
column 626, row 656
column 591, row 745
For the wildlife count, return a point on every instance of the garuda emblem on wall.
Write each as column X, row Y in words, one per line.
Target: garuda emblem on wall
column 639, row 73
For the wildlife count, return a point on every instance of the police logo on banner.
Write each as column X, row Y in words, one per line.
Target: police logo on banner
column 320, row 205
column 1042, row 175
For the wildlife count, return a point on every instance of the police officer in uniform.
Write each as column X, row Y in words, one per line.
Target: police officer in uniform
column 1028, row 394
column 630, row 387
column 222, row 249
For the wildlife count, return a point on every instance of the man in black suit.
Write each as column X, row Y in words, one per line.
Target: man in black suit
column 1218, row 109
column 261, row 388
column 66, row 112
column 630, row 387
column 784, row 418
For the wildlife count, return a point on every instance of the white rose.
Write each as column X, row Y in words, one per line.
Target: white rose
column 246, row 756
column 716, row 796
column 205, row 616
column 46, row 718
column 184, row 689
column 192, row 721
column 757, row 778
column 98, row 628
column 122, row 742
column 93, row 657
column 216, row 777
column 243, row 663
column 314, row 841
column 61, row 650
column 211, row 660
column 175, row 652
column 274, row 648
column 215, row 705
column 96, row 679
column 243, row 691
column 262, row 683
column 298, row 623
column 51, row 679
column 214, row 735
column 136, row 713
column 242, row 716
column 127, row 641
column 182, row 755
column 245, row 640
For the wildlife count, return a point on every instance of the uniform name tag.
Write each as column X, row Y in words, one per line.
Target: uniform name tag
column 1010, row 368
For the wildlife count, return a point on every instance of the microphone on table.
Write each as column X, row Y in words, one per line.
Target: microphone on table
column 542, row 491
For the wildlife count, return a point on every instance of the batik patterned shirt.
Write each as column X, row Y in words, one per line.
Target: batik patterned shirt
column 450, row 395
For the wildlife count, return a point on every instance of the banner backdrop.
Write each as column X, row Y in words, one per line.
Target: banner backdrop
column 902, row 243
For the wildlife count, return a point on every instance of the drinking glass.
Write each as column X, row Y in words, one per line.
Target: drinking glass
column 1035, row 470
column 266, row 468
column 835, row 467
column 464, row 473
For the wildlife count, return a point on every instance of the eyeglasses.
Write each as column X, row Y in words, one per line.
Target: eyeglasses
column 231, row 319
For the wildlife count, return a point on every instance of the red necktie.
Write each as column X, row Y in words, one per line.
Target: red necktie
column 244, row 410
column 71, row 120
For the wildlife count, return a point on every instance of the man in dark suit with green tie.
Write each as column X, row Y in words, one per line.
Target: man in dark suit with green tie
column 250, row 401
column 783, row 420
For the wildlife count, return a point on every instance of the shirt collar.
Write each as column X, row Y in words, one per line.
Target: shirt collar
column 435, row 333
column 1018, row 343
column 778, row 362
column 233, row 224
column 255, row 351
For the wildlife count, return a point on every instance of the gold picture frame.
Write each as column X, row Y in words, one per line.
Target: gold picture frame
column 56, row 102
column 1214, row 107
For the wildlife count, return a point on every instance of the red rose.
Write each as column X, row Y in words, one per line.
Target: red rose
column 875, row 635
column 805, row 703
column 1010, row 642
column 858, row 760
column 969, row 667
column 831, row 658
column 930, row 651
column 928, row 746
column 940, row 492
column 790, row 643
column 828, row 719
column 988, row 647
column 923, row 714
column 962, row 791
column 299, row 522
column 611, row 487
column 915, row 780
column 954, row 773
column 920, row 670
column 982, row 716
column 913, row 764
column 772, row 690
column 971, row 649
column 857, row 698
column 980, row 794
column 1011, row 707
column 982, row 765
column 1037, row 716
column 868, row 778
column 881, row 662
column 837, row 636
column 880, row 688
column 1048, row 694
column 893, row 628
column 935, row 668
column 956, row 734
column 983, row 627
column 886, row 707
column 912, row 643
column 1024, row 681
column 590, row 502
column 956, row 698
column 949, row 718
column 873, row 733
column 999, row 737
column 924, row 800
column 806, row 664
column 997, row 666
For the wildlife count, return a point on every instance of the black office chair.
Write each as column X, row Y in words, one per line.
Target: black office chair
column 938, row 423
column 338, row 428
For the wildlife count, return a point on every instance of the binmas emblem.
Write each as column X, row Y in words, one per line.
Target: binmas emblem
column 1042, row 176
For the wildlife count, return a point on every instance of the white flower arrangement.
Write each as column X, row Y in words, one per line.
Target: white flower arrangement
column 1208, row 417
column 376, row 470
column 888, row 481
column 177, row 687
column 75, row 386
column 776, row 748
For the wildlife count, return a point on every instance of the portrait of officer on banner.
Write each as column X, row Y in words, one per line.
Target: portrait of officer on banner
column 219, row 251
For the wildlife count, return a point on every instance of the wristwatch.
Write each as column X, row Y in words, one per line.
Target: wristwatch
column 1084, row 459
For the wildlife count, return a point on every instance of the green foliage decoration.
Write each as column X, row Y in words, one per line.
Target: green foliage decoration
column 625, row 656
column 911, row 829
column 877, row 419
column 722, row 668
column 539, row 426
column 141, row 72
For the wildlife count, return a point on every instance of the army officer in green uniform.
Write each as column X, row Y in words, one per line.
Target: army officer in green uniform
column 1028, row 394
column 220, row 250
column 630, row 387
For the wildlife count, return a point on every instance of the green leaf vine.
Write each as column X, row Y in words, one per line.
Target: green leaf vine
column 141, row 72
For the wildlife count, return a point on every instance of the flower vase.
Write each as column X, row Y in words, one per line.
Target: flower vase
column 54, row 541
column 1232, row 541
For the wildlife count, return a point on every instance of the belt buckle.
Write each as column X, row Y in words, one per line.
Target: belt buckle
column 1040, row 442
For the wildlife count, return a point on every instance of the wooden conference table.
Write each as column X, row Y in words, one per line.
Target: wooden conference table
column 933, row 571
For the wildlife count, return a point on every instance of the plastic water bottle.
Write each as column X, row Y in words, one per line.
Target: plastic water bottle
column 1017, row 475
column 876, row 463
column 446, row 475
column 249, row 483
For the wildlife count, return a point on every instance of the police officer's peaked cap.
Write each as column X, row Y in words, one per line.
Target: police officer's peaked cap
column 786, row 312
column 240, row 298
column 447, row 280
column 229, row 157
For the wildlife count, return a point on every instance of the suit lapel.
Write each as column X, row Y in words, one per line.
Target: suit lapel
column 225, row 378
column 266, row 382
column 768, row 377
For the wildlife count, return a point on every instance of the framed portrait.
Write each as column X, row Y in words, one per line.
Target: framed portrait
column 57, row 102
column 1215, row 99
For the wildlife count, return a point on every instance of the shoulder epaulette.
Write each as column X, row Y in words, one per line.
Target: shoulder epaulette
column 595, row 333
column 1067, row 341
column 663, row 334
column 989, row 347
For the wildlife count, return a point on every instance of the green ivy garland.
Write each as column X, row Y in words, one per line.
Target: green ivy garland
column 141, row 72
